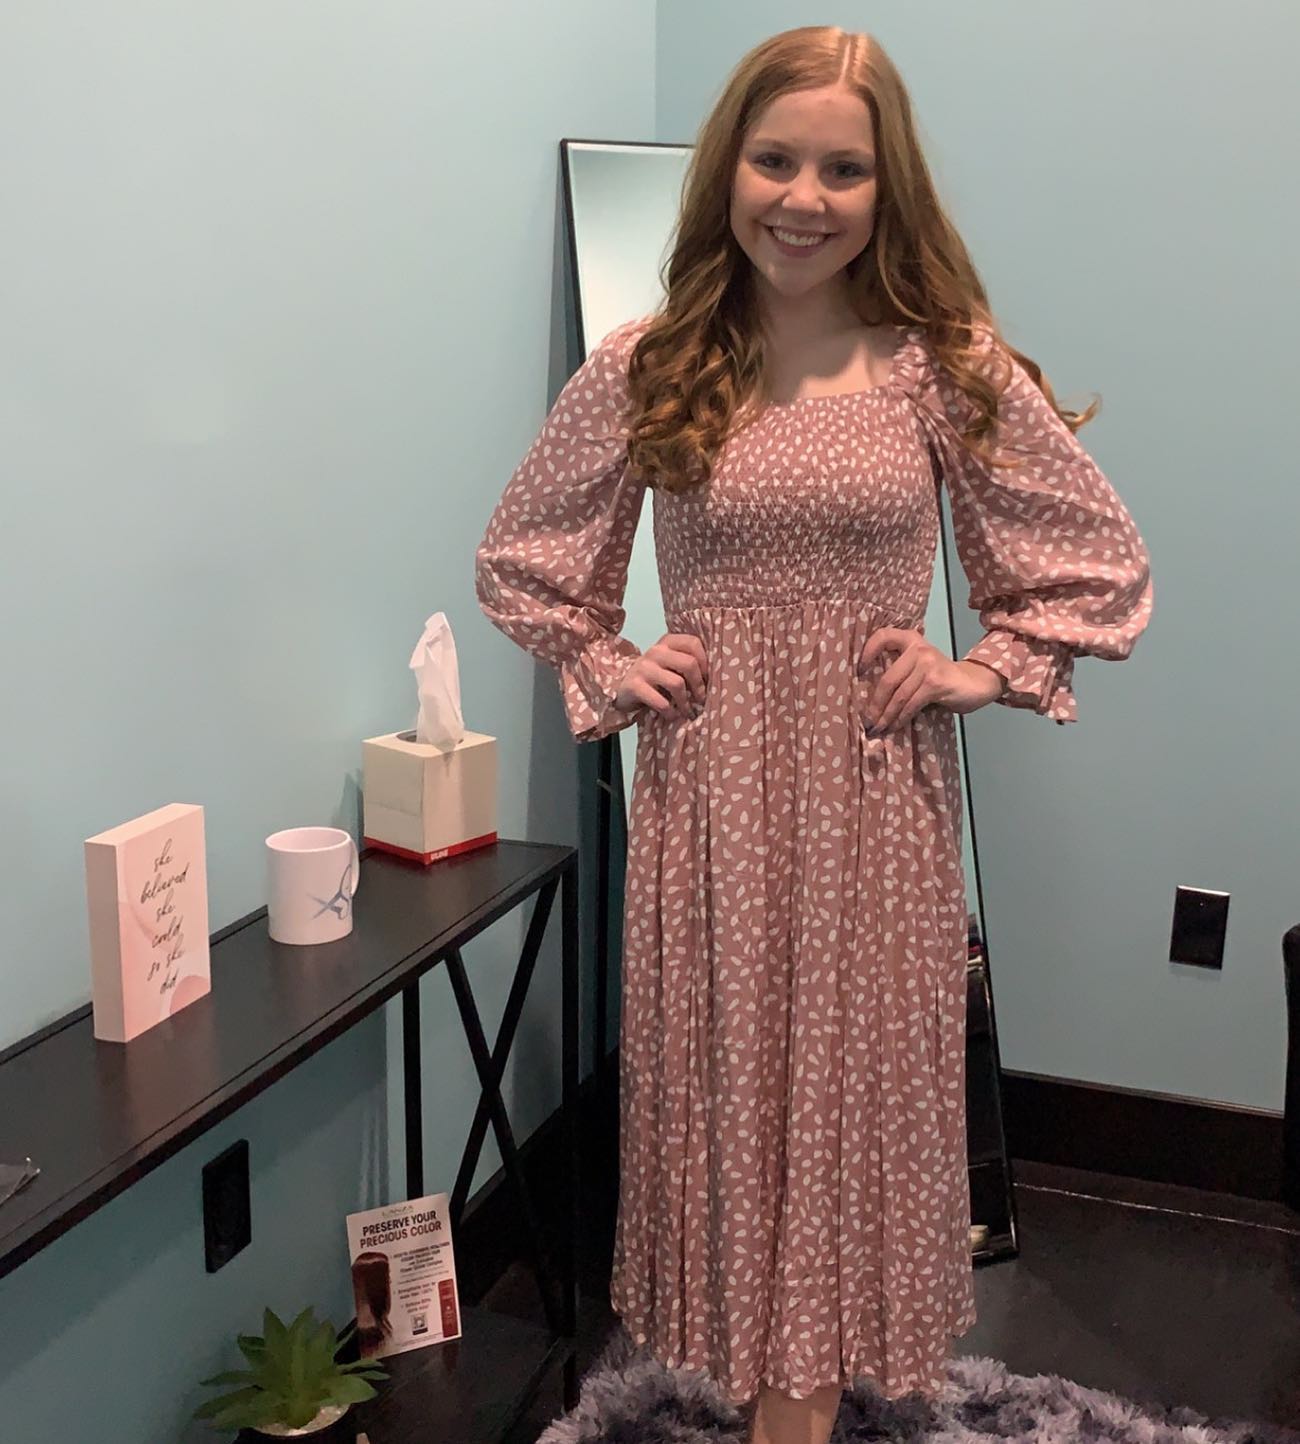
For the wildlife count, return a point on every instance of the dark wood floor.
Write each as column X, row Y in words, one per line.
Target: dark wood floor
column 1159, row 1293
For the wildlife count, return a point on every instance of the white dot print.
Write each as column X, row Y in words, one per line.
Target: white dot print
column 793, row 1194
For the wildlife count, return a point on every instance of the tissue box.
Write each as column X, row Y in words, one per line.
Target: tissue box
column 426, row 802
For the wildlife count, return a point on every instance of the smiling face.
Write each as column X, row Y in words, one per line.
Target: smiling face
column 807, row 166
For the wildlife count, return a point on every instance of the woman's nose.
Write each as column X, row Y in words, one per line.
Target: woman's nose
column 804, row 195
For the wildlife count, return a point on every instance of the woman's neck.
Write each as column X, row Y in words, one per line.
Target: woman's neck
column 793, row 323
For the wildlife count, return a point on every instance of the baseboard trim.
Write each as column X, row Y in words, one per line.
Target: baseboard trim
column 1159, row 1137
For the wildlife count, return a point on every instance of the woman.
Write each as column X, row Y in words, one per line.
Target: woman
column 794, row 1207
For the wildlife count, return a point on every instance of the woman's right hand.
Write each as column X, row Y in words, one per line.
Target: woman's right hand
column 671, row 677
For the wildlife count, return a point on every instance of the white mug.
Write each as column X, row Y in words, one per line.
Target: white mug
column 313, row 874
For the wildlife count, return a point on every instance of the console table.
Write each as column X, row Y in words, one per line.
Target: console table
column 109, row 1113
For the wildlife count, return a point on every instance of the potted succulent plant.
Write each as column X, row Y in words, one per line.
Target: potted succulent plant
column 294, row 1384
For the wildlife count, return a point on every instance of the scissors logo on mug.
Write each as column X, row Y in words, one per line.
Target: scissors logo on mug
column 341, row 903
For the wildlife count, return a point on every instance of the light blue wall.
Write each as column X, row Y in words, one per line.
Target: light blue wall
column 107, row 1331
column 1120, row 173
column 278, row 292
column 281, row 312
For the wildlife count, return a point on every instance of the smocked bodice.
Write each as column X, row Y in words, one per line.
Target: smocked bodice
column 821, row 498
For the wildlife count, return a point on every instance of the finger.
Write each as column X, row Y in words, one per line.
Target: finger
column 650, row 696
column 697, row 645
column 894, row 638
column 646, row 684
column 906, row 702
column 647, row 693
column 922, row 697
column 683, row 665
column 902, row 678
column 685, row 661
column 684, row 646
column 670, row 682
column 886, row 688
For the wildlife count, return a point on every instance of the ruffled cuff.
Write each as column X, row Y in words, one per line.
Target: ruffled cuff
column 589, row 685
column 1038, row 674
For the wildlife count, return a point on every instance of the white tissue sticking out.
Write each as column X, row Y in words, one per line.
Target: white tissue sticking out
column 438, row 679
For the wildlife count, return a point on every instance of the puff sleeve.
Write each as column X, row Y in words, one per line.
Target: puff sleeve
column 551, row 569
column 1056, row 566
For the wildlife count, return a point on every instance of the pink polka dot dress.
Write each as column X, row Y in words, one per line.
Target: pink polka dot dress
column 794, row 1201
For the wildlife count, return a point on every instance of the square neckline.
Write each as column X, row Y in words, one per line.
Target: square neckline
column 892, row 382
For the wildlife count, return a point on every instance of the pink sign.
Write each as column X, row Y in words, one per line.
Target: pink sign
column 147, row 890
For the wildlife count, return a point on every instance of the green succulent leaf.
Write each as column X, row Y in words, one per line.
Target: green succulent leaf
column 252, row 1348
column 215, row 1406
column 299, row 1362
column 247, row 1408
column 323, row 1348
column 231, row 1376
column 351, row 1390
column 300, row 1411
column 367, row 1368
column 275, row 1334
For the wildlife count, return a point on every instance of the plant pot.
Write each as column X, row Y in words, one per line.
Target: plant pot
column 330, row 1414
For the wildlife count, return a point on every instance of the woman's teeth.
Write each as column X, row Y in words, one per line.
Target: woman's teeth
column 793, row 238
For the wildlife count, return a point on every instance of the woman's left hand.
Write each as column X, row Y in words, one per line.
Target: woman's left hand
column 922, row 675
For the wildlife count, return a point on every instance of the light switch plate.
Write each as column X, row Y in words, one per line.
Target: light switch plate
column 1200, row 924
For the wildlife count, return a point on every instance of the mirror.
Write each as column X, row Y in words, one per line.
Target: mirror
column 621, row 202
column 622, row 205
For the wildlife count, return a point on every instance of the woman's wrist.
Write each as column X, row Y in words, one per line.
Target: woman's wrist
column 993, row 671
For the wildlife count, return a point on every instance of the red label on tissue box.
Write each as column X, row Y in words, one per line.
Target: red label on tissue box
column 437, row 856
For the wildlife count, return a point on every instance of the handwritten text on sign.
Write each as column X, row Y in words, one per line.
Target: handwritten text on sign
column 169, row 944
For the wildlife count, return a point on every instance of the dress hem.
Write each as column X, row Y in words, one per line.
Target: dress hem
column 849, row 1376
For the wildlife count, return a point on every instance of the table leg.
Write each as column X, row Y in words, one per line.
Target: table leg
column 413, row 1107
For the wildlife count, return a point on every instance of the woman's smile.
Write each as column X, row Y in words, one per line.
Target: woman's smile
column 806, row 244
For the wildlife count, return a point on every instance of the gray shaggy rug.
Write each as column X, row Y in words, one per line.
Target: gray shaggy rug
column 628, row 1397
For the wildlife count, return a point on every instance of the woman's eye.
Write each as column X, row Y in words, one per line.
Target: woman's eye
column 853, row 168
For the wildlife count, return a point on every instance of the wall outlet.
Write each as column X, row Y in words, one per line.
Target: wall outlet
column 227, row 1216
column 1200, row 923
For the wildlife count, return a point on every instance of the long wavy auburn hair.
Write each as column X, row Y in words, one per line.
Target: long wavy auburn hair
column 698, row 367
